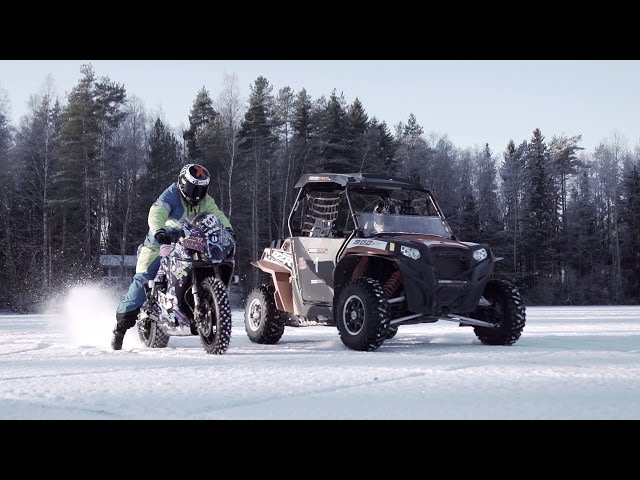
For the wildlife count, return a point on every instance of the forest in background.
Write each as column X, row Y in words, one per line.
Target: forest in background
column 78, row 175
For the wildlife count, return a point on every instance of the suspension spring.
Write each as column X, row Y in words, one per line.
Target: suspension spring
column 360, row 268
column 392, row 284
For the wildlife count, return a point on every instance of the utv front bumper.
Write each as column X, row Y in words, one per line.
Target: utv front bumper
column 444, row 280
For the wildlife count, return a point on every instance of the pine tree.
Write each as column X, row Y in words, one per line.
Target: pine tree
column 162, row 165
column 205, row 143
column 411, row 148
column 357, row 130
column 385, row 150
column 381, row 148
column 468, row 220
column 412, row 130
column 256, row 140
column 202, row 114
column 164, row 162
column 92, row 115
column 513, row 188
column 585, row 256
column 74, row 182
column 438, row 172
column 562, row 154
column 540, row 219
column 336, row 152
column 488, row 210
column 283, row 119
column 301, row 122
column 304, row 134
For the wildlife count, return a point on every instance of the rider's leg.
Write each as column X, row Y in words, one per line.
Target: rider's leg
column 127, row 312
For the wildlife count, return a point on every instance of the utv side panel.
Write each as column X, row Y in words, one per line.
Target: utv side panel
column 315, row 259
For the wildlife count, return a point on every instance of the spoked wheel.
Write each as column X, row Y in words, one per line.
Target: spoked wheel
column 151, row 335
column 215, row 326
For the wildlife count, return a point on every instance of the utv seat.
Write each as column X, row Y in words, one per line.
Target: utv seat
column 321, row 216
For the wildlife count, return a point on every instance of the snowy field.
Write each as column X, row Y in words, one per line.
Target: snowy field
column 570, row 363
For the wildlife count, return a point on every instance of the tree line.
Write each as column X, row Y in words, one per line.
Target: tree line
column 77, row 180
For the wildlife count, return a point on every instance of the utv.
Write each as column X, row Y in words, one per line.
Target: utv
column 368, row 253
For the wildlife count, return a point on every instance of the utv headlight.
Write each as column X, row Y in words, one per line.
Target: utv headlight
column 480, row 254
column 410, row 252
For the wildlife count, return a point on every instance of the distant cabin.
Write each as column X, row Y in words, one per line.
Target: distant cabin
column 118, row 270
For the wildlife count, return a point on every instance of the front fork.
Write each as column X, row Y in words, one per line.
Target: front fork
column 195, row 290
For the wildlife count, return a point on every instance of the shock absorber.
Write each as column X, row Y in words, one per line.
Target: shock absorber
column 392, row 284
column 195, row 290
column 360, row 268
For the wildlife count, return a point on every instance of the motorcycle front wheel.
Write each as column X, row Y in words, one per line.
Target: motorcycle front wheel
column 215, row 328
column 152, row 336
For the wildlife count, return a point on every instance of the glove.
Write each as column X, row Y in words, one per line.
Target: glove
column 233, row 235
column 162, row 237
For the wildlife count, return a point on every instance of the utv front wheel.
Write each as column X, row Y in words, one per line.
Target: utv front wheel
column 362, row 314
column 391, row 332
column 507, row 312
column 263, row 322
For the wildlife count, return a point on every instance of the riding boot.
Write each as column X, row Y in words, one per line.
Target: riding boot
column 124, row 321
column 117, row 338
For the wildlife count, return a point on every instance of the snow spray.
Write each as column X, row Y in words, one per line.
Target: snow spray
column 87, row 315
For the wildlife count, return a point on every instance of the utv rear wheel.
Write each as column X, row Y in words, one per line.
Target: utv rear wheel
column 507, row 312
column 263, row 322
column 362, row 314
column 215, row 328
column 151, row 335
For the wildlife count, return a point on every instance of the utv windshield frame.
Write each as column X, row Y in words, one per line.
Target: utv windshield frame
column 384, row 188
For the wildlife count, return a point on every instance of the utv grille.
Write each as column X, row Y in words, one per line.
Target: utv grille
column 450, row 264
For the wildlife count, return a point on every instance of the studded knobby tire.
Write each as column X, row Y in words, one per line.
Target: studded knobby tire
column 215, row 329
column 263, row 322
column 362, row 314
column 507, row 311
column 152, row 336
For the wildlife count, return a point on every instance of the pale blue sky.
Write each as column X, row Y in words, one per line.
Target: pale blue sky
column 472, row 101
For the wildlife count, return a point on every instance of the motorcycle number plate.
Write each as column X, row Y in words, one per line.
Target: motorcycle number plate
column 194, row 243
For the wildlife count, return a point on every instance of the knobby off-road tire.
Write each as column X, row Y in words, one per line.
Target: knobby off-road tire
column 215, row 331
column 152, row 336
column 391, row 332
column 507, row 312
column 263, row 322
column 362, row 314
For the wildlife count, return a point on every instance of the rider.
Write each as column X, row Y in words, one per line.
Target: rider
column 386, row 205
column 182, row 200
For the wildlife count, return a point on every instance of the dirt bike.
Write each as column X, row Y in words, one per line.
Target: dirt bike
column 189, row 293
